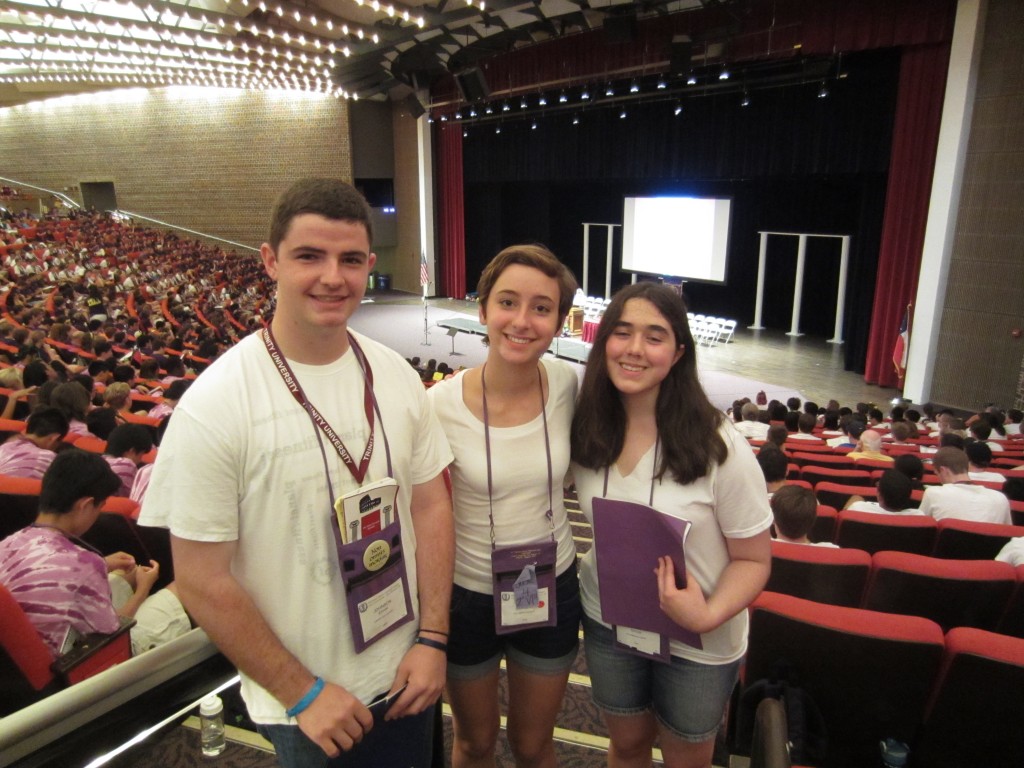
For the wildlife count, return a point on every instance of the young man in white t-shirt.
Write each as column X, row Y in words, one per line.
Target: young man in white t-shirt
column 246, row 479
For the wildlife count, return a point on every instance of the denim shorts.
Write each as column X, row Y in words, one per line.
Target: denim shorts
column 405, row 742
column 475, row 649
column 688, row 697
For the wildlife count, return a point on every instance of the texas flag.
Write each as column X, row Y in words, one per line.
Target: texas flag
column 899, row 352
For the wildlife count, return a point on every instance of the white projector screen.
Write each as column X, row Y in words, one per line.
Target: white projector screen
column 685, row 237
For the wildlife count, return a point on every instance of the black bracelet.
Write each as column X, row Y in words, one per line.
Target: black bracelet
column 435, row 632
column 442, row 647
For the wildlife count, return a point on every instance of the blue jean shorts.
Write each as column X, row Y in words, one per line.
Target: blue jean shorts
column 475, row 649
column 688, row 697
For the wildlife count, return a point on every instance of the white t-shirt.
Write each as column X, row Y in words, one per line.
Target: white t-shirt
column 519, row 472
column 241, row 461
column 874, row 506
column 966, row 502
column 753, row 430
column 1013, row 552
column 729, row 501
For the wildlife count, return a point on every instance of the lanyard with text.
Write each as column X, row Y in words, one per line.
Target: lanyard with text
column 523, row 574
column 369, row 405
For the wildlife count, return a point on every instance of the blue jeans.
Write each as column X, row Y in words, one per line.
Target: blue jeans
column 403, row 743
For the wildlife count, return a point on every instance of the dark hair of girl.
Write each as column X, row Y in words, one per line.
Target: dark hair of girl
column 688, row 423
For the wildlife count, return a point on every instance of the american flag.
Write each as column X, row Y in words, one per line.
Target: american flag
column 424, row 272
column 899, row 352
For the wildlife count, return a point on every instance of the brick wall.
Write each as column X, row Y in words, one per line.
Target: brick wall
column 978, row 358
column 209, row 160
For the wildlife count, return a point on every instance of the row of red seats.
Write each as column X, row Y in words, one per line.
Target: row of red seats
column 954, row 698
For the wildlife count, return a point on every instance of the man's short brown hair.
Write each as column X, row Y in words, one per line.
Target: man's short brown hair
column 330, row 198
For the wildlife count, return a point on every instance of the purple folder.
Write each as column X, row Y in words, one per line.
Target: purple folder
column 628, row 540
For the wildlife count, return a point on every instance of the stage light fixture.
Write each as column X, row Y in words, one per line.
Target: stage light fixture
column 472, row 112
column 465, row 133
column 678, row 109
column 823, row 91
column 692, row 79
column 523, row 104
column 562, row 98
column 745, row 101
column 488, row 110
column 585, row 95
column 634, row 87
column 724, row 74
column 662, row 85
column 458, row 115
column 542, row 101
column 622, row 115
column 533, row 126
column 505, row 107
column 575, row 119
column 609, row 91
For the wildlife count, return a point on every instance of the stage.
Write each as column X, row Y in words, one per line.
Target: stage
column 448, row 330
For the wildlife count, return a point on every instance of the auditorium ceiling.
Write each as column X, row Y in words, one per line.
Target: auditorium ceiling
column 367, row 49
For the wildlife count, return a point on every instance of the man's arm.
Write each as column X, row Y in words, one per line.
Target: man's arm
column 423, row 667
column 221, row 606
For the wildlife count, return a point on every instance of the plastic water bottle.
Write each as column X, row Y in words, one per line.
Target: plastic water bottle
column 211, row 717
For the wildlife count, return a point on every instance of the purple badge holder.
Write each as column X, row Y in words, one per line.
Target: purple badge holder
column 507, row 564
column 376, row 586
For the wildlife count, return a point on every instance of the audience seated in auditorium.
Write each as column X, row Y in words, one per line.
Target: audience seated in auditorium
column 805, row 426
column 73, row 401
column 851, row 427
column 979, row 458
column 774, row 466
column 870, row 447
column 30, row 454
column 62, row 584
column 957, row 497
column 126, row 446
column 777, row 435
column 1013, row 552
column 751, row 426
column 911, row 466
column 172, row 395
column 1014, row 416
column 981, row 431
column 894, row 490
column 795, row 509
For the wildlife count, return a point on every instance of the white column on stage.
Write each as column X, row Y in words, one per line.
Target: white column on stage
column 759, row 302
column 425, row 161
column 586, row 261
column 608, row 257
column 798, row 285
column 844, row 263
column 801, row 259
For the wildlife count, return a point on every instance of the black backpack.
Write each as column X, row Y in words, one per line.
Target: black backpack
column 808, row 739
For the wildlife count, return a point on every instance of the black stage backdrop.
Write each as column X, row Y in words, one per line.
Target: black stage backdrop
column 790, row 161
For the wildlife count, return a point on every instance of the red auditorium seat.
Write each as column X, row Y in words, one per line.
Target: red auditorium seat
column 952, row 593
column 828, row 460
column 874, row 532
column 824, row 528
column 868, row 673
column 19, row 503
column 975, row 715
column 971, row 540
column 837, row 495
column 822, row 574
column 1012, row 622
column 815, row 474
column 28, row 669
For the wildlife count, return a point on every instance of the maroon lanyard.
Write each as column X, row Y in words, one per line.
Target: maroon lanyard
column 369, row 405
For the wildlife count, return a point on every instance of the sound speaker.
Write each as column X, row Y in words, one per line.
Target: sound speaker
column 680, row 55
column 472, row 84
column 413, row 105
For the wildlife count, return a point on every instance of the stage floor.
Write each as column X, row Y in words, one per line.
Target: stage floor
column 768, row 360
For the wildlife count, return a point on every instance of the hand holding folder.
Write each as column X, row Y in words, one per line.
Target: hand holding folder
column 629, row 539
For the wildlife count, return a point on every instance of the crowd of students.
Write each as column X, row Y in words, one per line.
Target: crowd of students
column 242, row 500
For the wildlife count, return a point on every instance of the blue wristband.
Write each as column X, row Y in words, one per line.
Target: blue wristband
column 305, row 701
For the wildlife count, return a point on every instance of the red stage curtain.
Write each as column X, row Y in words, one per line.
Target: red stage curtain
column 911, row 166
column 451, row 224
